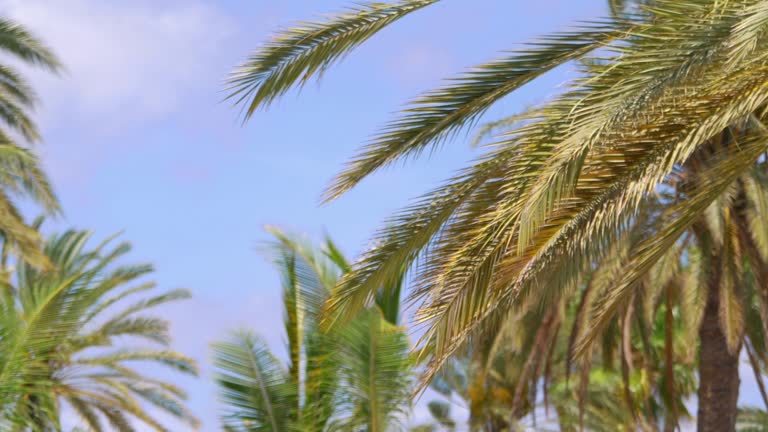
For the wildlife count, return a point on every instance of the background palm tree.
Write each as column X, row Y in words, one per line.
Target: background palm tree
column 670, row 86
column 20, row 172
column 356, row 378
column 638, row 376
column 63, row 331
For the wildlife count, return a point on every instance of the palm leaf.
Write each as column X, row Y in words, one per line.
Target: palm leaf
column 374, row 362
column 253, row 384
column 296, row 54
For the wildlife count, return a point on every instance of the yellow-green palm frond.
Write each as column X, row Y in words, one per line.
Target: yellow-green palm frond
column 710, row 184
column 654, row 136
column 440, row 114
column 20, row 171
column 749, row 32
column 590, row 160
column 415, row 229
column 296, row 54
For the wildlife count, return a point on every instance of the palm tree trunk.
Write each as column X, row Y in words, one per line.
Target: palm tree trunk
column 718, row 368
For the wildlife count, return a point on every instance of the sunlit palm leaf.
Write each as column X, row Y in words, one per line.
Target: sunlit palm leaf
column 296, row 54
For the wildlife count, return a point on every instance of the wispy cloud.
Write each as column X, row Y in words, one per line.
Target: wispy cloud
column 127, row 62
column 130, row 66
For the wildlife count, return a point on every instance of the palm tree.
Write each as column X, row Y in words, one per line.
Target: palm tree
column 62, row 333
column 356, row 378
column 637, row 377
column 20, row 172
column 661, row 88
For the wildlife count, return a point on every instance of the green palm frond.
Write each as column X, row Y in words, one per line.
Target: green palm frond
column 308, row 276
column 355, row 376
column 18, row 41
column 296, row 54
column 20, row 171
column 254, row 385
column 60, row 340
column 375, row 367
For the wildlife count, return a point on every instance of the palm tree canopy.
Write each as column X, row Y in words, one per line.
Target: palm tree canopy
column 356, row 377
column 20, row 171
column 63, row 333
column 657, row 83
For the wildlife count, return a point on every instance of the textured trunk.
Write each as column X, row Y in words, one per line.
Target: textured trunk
column 718, row 370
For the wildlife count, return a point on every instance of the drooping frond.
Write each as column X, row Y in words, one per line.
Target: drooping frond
column 407, row 234
column 440, row 114
column 658, row 134
column 679, row 217
column 296, row 54
column 578, row 175
column 20, row 171
column 17, row 40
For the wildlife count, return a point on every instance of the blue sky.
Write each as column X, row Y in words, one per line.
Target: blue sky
column 137, row 139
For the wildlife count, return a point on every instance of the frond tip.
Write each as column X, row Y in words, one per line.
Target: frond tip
column 296, row 54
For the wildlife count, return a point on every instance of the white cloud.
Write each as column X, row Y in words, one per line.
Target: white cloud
column 129, row 66
column 126, row 62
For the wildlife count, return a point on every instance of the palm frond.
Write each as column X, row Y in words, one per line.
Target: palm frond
column 296, row 54
column 679, row 218
column 53, row 344
column 17, row 40
column 440, row 114
column 254, row 385
column 375, row 364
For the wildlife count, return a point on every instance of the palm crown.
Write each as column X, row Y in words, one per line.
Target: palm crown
column 356, row 378
column 62, row 330
column 667, row 92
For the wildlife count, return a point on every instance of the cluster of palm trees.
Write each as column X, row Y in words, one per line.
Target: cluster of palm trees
column 617, row 228
column 603, row 264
